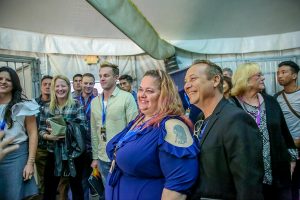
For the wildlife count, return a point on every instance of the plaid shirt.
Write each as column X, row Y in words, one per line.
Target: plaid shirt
column 42, row 143
column 87, row 110
column 69, row 113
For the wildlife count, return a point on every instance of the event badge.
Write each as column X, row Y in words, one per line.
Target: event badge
column 187, row 112
column 103, row 134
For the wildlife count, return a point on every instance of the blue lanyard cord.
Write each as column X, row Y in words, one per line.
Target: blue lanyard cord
column 103, row 111
column 86, row 107
column 201, row 129
column 132, row 132
column 187, row 100
column 2, row 125
column 126, row 137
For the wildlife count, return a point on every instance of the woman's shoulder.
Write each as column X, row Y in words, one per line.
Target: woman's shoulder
column 25, row 108
column 176, row 138
column 177, row 133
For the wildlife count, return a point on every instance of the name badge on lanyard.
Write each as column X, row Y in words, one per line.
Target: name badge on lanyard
column 2, row 125
column 187, row 100
column 103, row 129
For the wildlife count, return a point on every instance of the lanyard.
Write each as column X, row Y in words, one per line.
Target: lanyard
column 103, row 111
column 258, row 115
column 187, row 100
column 86, row 107
column 132, row 132
column 202, row 128
column 2, row 125
column 126, row 137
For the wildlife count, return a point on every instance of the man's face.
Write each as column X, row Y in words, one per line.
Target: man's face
column 45, row 86
column 227, row 73
column 197, row 86
column 77, row 83
column 125, row 85
column 87, row 85
column 107, row 78
column 285, row 75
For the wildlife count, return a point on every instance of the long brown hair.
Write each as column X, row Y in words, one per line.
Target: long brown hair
column 16, row 97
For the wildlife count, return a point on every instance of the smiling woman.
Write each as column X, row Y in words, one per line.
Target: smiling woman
column 17, row 120
column 248, row 83
column 64, row 106
column 155, row 148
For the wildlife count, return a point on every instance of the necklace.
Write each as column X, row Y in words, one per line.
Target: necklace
column 256, row 115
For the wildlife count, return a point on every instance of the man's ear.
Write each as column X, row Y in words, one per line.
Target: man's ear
column 217, row 80
column 295, row 76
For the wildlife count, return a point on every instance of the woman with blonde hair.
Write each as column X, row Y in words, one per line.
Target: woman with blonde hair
column 248, row 84
column 60, row 162
column 155, row 156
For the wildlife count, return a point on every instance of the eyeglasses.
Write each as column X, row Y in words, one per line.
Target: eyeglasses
column 258, row 75
column 197, row 128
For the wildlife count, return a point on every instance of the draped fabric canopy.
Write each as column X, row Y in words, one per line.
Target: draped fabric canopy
column 200, row 26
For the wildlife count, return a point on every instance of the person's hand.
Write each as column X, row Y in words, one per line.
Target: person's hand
column 28, row 171
column 94, row 164
column 52, row 137
column 3, row 146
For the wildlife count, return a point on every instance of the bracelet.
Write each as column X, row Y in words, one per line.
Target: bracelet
column 31, row 161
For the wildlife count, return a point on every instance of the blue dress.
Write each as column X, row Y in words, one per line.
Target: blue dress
column 147, row 164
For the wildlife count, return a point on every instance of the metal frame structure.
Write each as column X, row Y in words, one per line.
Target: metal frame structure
column 20, row 63
column 268, row 68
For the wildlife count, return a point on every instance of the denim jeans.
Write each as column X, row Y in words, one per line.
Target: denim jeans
column 104, row 170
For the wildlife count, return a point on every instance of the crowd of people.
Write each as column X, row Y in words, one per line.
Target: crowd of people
column 222, row 137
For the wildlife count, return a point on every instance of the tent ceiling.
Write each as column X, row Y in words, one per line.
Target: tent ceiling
column 194, row 25
column 207, row 19
column 173, row 19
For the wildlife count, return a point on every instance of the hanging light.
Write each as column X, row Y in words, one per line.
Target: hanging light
column 90, row 60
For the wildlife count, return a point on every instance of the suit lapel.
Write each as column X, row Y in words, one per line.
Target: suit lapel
column 210, row 124
column 212, row 119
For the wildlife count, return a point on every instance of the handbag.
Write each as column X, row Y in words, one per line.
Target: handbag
column 58, row 125
column 95, row 183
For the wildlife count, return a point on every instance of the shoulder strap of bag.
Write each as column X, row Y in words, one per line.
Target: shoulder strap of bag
column 289, row 105
column 277, row 94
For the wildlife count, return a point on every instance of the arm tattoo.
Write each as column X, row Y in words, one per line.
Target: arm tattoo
column 180, row 134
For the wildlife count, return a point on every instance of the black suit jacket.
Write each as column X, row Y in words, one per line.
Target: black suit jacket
column 230, row 159
column 280, row 141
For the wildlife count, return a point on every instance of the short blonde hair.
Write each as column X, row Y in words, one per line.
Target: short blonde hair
column 241, row 76
column 53, row 101
column 113, row 67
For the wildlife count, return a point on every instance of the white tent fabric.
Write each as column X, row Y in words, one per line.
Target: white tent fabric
column 69, row 65
column 200, row 26
column 17, row 40
column 127, row 18
column 241, row 45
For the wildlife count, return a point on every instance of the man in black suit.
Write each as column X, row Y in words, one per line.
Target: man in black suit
column 230, row 159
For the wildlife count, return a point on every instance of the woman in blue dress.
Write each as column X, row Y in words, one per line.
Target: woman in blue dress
column 155, row 156
column 17, row 121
